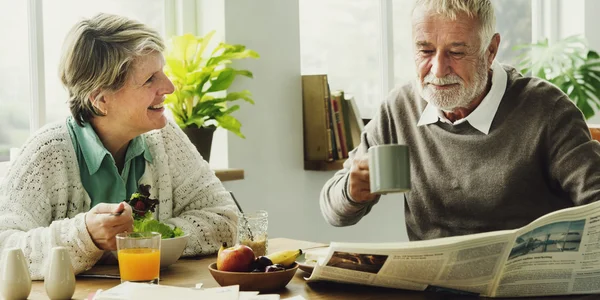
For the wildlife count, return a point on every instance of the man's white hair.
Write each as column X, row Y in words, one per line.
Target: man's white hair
column 482, row 10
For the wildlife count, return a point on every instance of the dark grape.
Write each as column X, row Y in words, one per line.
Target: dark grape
column 274, row 268
column 263, row 261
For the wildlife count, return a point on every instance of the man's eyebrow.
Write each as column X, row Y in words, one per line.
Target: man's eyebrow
column 423, row 44
column 459, row 44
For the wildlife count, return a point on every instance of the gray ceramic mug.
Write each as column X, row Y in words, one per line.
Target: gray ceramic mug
column 389, row 169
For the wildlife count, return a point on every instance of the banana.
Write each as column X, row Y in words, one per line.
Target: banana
column 223, row 246
column 285, row 257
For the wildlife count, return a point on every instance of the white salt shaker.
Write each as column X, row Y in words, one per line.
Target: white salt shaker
column 15, row 281
column 60, row 278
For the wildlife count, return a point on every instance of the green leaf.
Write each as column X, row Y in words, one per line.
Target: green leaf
column 204, row 41
column 245, row 95
column 175, row 69
column 198, row 121
column 222, row 81
column 231, row 109
column 230, row 123
column 177, row 232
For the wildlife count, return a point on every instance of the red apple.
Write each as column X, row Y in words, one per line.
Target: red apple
column 238, row 258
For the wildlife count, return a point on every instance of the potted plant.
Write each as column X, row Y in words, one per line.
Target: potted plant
column 199, row 103
column 569, row 65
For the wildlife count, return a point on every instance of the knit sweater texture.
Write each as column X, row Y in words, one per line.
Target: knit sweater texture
column 43, row 202
column 537, row 158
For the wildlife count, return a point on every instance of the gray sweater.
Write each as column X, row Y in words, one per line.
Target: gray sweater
column 537, row 158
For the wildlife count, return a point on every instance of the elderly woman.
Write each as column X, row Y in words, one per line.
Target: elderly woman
column 68, row 185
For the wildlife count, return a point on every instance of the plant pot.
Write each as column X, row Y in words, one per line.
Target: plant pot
column 202, row 139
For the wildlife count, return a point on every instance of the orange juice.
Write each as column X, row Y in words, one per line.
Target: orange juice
column 139, row 264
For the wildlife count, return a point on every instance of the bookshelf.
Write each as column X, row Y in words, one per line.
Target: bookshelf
column 320, row 165
column 331, row 124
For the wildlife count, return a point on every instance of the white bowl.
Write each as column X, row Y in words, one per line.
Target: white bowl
column 170, row 250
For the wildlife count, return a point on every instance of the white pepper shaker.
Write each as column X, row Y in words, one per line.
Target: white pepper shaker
column 60, row 278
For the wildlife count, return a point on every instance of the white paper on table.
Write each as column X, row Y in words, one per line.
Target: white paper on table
column 266, row 297
column 247, row 295
column 230, row 292
column 143, row 291
column 296, row 298
column 119, row 292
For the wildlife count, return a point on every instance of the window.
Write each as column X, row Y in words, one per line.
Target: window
column 58, row 18
column 14, row 76
column 343, row 39
column 340, row 38
column 513, row 22
column 404, row 64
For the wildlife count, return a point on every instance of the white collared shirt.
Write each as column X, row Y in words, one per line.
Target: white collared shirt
column 481, row 118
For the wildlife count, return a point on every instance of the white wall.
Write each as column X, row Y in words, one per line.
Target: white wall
column 272, row 153
column 592, row 23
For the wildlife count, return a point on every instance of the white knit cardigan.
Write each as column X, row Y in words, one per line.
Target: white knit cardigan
column 43, row 202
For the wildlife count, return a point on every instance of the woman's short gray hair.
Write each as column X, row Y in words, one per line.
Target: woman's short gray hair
column 97, row 57
column 482, row 10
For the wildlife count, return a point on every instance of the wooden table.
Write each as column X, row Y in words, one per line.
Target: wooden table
column 188, row 272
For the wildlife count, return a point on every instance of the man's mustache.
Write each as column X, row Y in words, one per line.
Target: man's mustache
column 450, row 79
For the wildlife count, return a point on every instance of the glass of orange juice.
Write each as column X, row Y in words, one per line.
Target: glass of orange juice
column 139, row 256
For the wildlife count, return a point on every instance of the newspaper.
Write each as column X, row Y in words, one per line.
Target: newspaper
column 557, row 254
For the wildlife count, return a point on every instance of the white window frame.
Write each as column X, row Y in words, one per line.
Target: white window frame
column 37, row 83
column 386, row 34
column 544, row 20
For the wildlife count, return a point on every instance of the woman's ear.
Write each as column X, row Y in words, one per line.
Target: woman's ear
column 99, row 103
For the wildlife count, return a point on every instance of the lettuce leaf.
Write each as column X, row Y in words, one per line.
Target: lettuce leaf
column 148, row 225
column 177, row 232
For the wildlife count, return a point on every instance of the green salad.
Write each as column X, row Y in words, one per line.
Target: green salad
column 143, row 218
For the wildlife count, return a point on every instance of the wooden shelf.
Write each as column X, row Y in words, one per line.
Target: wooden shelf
column 314, row 165
column 229, row 174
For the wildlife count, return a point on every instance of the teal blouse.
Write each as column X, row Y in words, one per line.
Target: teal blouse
column 99, row 174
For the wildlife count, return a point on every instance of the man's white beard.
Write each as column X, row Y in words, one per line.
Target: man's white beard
column 457, row 96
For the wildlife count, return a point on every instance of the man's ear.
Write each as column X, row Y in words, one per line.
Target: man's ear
column 98, row 102
column 493, row 49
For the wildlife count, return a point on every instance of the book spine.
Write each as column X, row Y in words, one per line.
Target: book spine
column 337, row 106
column 316, row 137
column 356, row 123
column 347, row 123
column 326, row 103
column 334, row 128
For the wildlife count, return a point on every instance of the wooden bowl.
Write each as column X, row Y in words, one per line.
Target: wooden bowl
column 261, row 282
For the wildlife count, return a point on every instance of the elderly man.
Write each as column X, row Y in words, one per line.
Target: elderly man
column 490, row 149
